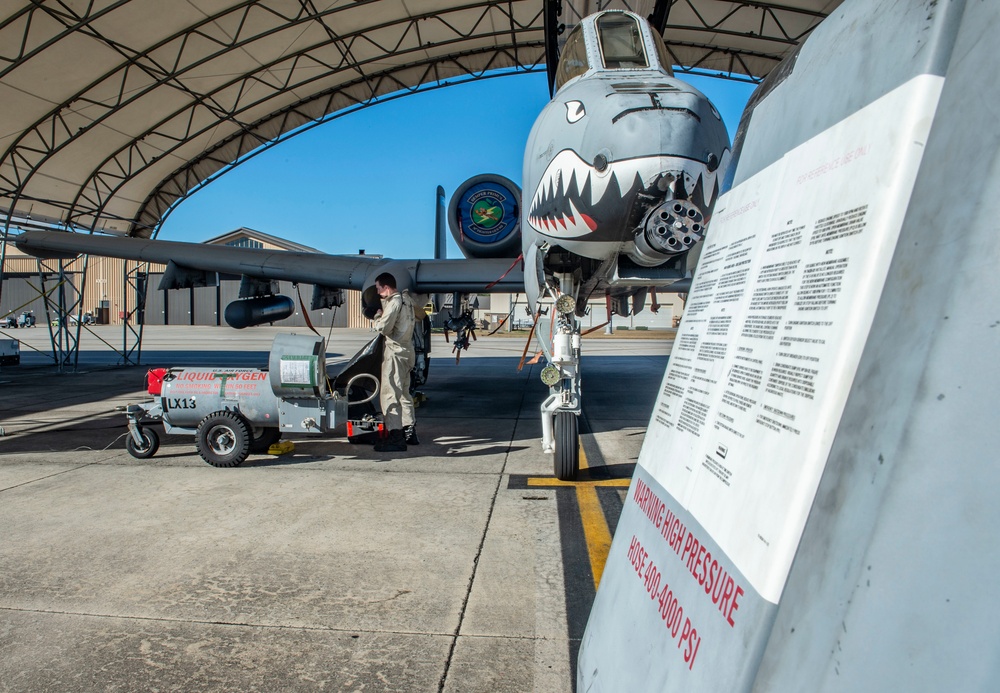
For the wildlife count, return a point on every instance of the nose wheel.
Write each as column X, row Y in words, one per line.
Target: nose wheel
column 566, row 461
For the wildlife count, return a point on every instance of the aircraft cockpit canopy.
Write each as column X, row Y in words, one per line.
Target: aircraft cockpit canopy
column 573, row 61
column 620, row 44
column 662, row 54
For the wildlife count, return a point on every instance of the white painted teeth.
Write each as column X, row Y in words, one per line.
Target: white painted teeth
column 579, row 224
column 567, row 164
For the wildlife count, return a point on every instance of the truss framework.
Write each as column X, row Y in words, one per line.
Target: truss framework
column 116, row 110
column 225, row 84
column 252, row 107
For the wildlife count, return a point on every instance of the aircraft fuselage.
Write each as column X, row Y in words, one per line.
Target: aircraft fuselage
column 625, row 160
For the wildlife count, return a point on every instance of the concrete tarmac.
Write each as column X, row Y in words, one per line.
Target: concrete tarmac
column 460, row 565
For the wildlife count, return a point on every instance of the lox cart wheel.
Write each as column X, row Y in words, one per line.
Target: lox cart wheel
column 150, row 444
column 567, row 453
column 223, row 439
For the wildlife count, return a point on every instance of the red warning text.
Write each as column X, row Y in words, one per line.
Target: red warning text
column 711, row 576
column 222, row 374
column 671, row 612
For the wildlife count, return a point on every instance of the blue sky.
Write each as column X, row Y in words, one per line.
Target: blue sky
column 367, row 180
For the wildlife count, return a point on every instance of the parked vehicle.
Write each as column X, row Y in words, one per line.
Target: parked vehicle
column 87, row 319
column 26, row 319
column 10, row 352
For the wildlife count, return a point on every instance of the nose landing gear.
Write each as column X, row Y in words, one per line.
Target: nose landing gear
column 560, row 425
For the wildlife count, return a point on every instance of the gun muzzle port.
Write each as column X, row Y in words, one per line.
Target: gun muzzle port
column 672, row 227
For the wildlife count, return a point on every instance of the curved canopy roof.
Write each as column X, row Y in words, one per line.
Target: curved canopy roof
column 114, row 110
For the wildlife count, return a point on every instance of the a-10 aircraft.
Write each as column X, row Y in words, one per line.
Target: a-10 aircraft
column 622, row 170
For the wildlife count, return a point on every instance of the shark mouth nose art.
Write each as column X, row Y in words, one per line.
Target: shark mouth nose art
column 573, row 198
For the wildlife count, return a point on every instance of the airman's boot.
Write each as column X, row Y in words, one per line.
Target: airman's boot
column 395, row 441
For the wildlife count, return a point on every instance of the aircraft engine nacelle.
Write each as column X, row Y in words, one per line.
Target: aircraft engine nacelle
column 485, row 217
column 246, row 312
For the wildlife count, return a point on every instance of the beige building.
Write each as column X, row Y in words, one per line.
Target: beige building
column 114, row 286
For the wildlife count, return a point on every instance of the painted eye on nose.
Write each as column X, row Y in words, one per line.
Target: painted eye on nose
column 575, row 111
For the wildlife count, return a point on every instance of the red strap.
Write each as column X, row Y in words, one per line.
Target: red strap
column 492, row 284
column 531, row 333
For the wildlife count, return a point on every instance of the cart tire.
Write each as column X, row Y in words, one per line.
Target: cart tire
column 150, row 444
column 567, row 454
column 263, row 438
column 223, row 439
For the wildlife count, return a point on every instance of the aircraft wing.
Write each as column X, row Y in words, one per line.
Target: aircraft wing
column 334, row 271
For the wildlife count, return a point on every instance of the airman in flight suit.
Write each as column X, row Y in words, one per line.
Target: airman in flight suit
column 395, row 321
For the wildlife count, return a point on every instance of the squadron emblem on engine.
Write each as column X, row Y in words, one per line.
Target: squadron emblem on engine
column 486, row 212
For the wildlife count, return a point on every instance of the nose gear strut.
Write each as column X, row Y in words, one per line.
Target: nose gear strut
column 561, row 409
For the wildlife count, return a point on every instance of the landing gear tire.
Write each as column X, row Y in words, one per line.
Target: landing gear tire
column 150, row 444
column 567, row 454
column 263, row 438
column 223, row 439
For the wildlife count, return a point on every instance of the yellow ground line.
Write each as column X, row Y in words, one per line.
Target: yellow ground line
column 595, row 526
column 536, row 481
column 596, row 532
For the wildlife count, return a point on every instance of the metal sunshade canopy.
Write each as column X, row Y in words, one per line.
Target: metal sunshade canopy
column 115, row 110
